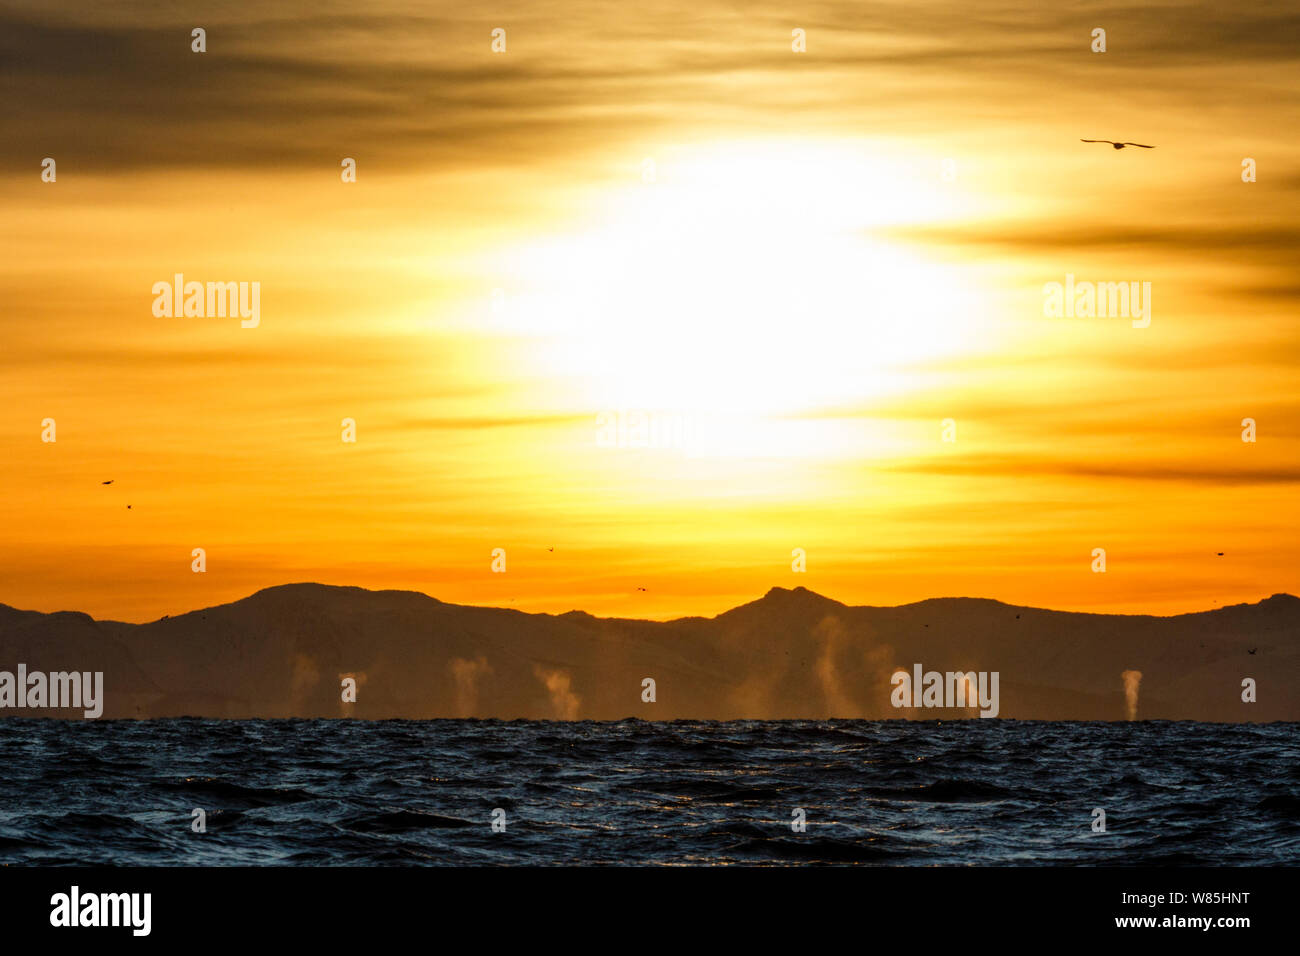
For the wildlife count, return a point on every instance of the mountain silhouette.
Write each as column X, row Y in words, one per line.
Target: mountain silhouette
column 284, row 651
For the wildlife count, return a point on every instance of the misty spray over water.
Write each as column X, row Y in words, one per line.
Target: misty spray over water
column 1131, row 681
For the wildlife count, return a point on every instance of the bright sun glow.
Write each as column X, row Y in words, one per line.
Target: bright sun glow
column 744, row 281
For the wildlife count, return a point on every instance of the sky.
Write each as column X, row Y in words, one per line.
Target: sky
column 650, row 300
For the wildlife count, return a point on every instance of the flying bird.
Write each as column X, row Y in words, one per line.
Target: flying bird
column 640, row 589
column 1115, row 144
column 551, row 548
column 1219, row 553
column 1252, row 650
column 109, row 482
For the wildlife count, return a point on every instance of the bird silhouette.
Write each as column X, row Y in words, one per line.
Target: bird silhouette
column 1219, row 553
column 640, row 589
column 1115, row 144
column 551, row 548
column 1252, row 650
column 109, row 482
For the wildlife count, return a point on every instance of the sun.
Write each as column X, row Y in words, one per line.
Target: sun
column 745, row 279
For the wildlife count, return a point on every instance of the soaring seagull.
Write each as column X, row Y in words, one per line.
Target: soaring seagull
column 1115, row 144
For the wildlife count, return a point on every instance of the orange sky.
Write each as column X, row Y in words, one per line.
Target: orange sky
column 660, row 214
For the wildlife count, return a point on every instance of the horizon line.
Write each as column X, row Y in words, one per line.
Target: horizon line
column 689, row 617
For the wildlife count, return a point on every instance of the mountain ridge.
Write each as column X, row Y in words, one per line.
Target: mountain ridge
column 284, row 651
column 775, row 591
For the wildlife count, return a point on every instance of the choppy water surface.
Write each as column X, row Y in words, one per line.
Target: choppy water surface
column 423, row 792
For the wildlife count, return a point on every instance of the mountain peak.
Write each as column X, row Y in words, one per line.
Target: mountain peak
column 777, row 593
column 798, row 597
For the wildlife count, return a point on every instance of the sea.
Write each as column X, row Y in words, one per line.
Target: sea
column 199, row 792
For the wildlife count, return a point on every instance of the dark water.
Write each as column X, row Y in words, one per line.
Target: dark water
column 423, row 792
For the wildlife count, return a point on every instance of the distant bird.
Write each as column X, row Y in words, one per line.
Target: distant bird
column 640, row 589
column 1017, row 617
column 109, row 482
column 1219, row 553
column 1252, row 650
column 128, row 507
column 1115, row 144
column 551, row 548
